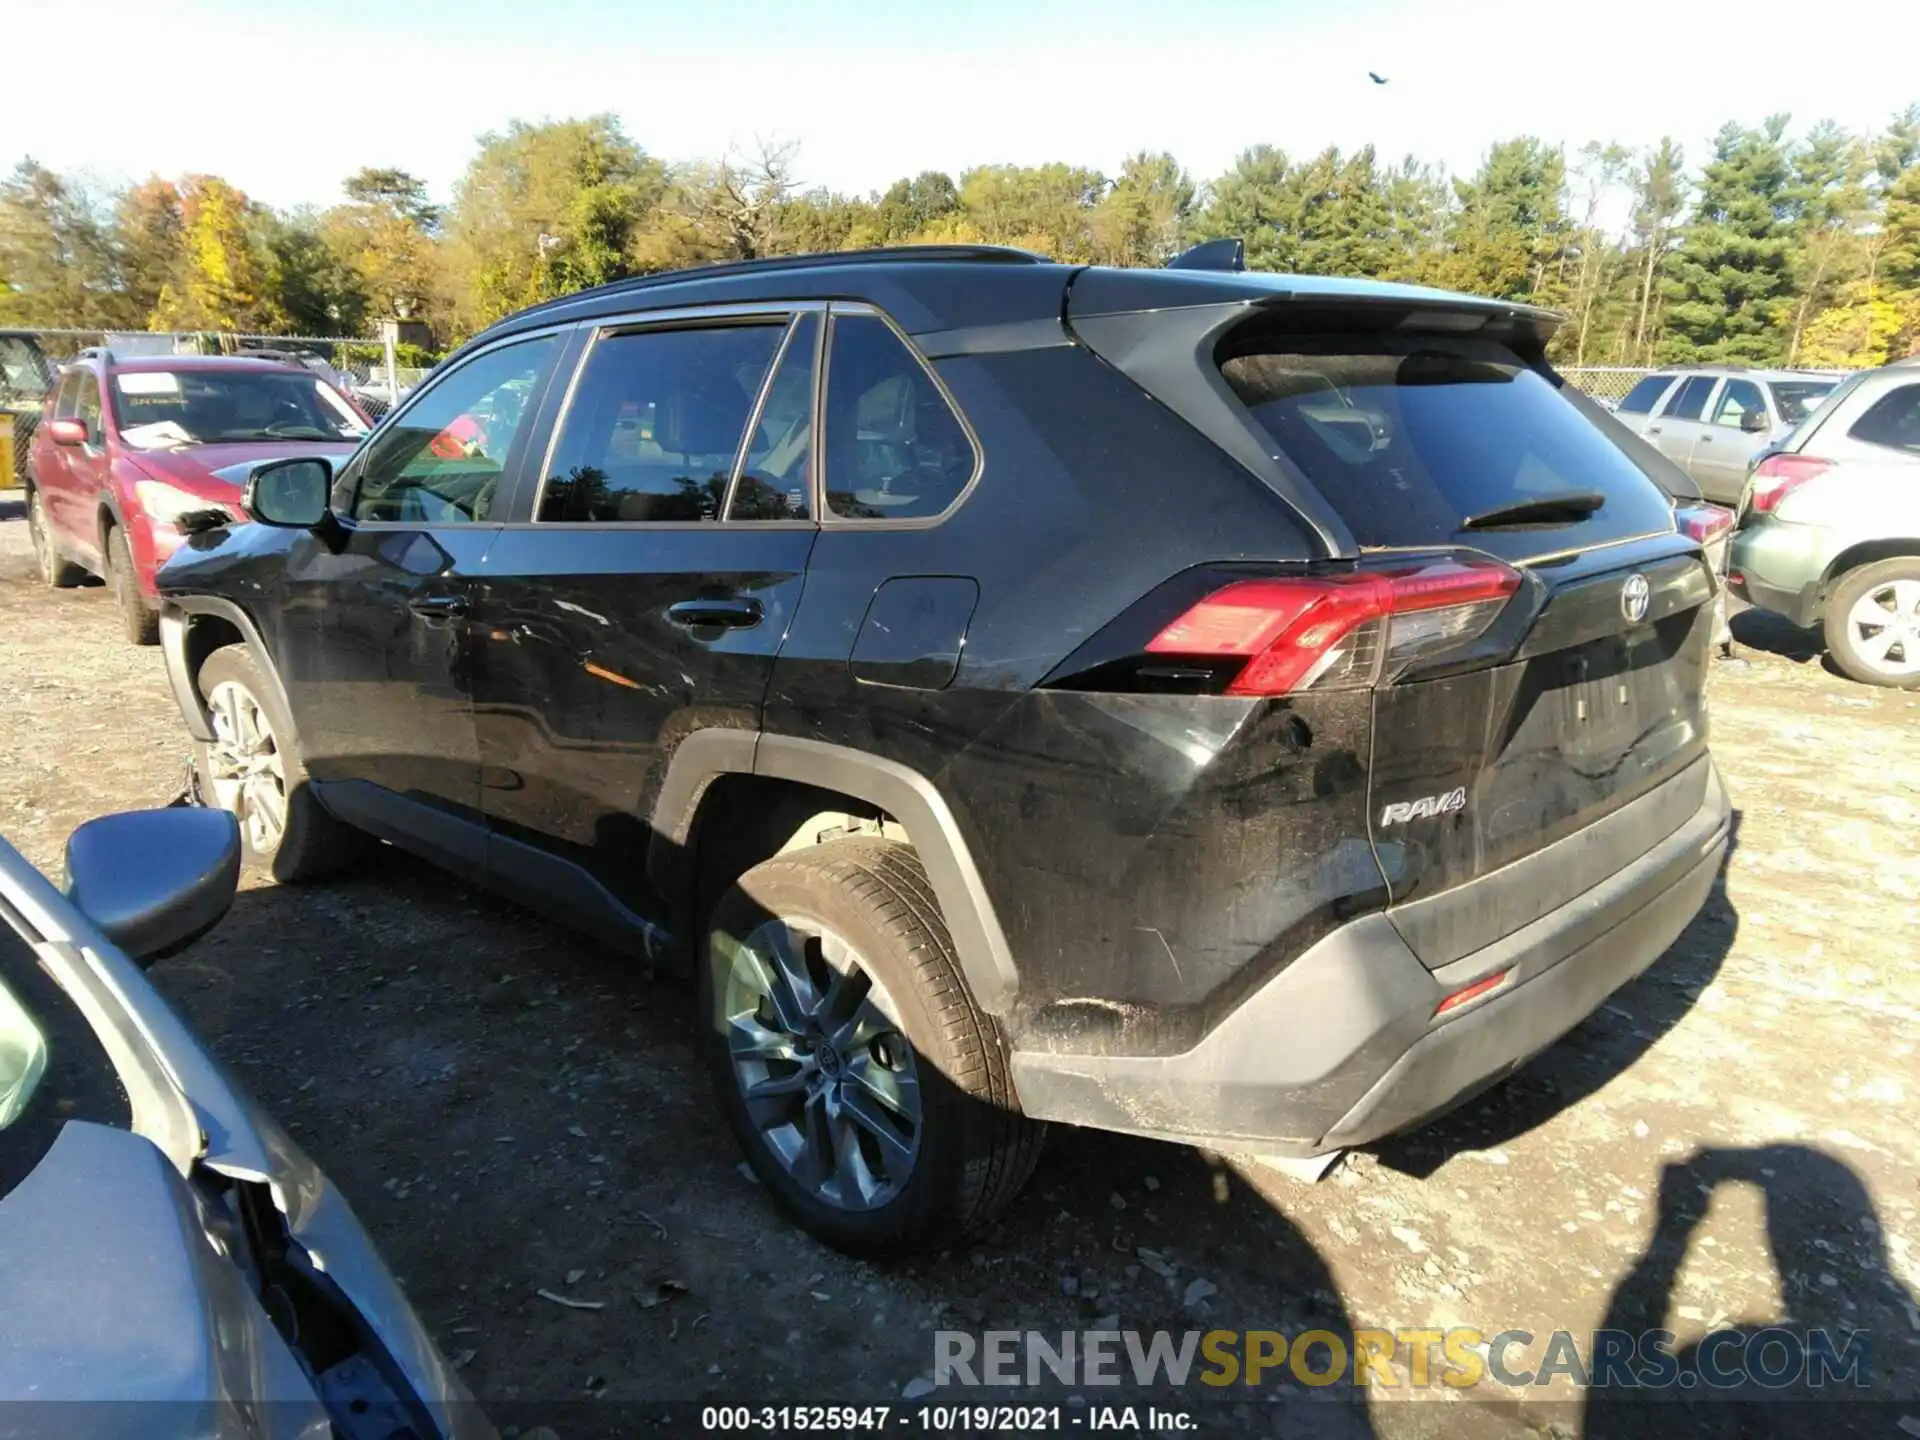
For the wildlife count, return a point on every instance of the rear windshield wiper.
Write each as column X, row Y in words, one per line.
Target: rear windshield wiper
column 1561, row 509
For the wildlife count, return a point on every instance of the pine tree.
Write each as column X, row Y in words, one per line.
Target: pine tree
column 1734, row 269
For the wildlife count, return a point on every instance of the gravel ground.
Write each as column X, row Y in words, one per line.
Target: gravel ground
column 1731, row 1141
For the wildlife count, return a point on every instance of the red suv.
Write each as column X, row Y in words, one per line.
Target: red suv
column 133, row 455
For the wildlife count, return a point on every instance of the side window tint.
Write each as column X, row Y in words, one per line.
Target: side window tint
column 895, row 450
column 1690, row 400
column 777, row 479
column 440, row 463
column 655, row 424
column 1738, row 399
column 87, row 405
column 1639, row 400
column 1892, row 420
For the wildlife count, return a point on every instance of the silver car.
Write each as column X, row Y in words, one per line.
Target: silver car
column 174, row 1265
column 1829, row 526
column 1712, row 421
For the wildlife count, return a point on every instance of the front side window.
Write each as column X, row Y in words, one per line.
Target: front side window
column 1689, row 402
column 69, row 395
column 86, row 405
column 1893, row 420
column 1739, row 399
column 168, row 409
column 894, row 448
column 655, row 424
column 441, row 461
column 1639, row 400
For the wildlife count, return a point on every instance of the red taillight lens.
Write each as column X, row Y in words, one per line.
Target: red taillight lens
column 1339, row 631
column 1778, row 476
column 1703, row 522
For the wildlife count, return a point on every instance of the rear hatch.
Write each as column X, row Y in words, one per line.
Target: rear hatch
column 1539, row 630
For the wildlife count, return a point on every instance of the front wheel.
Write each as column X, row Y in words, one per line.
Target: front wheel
column 871, row 1096
column 1873, row 623
column 252, row 768
column 136, row 617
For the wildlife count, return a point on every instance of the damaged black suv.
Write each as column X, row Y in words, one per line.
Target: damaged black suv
column 1247, row 709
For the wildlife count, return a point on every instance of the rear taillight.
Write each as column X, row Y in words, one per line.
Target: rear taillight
column 1703, row 522
column 1338, row 632
column 1778, row 476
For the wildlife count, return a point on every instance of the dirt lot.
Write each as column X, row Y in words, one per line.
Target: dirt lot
column 510, row 1107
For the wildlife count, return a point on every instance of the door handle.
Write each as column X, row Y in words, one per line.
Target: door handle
column 1706, row 439
column 721, row 614
column 1653, row 429
column 438, row 607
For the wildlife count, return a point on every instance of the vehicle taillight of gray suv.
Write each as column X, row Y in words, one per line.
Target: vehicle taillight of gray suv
column 1246, row 709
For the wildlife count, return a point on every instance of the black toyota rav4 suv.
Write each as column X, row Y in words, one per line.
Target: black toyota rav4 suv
column 1247, row 709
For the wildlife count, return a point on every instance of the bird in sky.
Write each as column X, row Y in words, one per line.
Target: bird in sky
column 1376, row 79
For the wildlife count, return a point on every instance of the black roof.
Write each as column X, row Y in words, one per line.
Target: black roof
column 929, row 288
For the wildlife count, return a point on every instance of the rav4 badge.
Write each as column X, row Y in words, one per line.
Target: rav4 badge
column 1402, row 811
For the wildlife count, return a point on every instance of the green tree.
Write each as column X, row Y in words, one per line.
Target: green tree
column 1660, row 194
column 1829, row 203
column 1590, row 268
column 1509, row 226
column 223, row 278
column 149, row 239
column 1253, row 202
column 311, row 289
column 1733, row 272
column 1143, row 218
column 57, row 263
column 546, row 209
column 910, row 206
column 385, row 237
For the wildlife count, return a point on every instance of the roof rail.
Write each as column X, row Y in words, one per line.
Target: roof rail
column 1226, row 254
column 95, row 352
column 883, row 254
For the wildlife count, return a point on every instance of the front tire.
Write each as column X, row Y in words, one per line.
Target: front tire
column 140, row 622
column 1872, row 623
column 870, row 1095
column 56, row 570
column 252, row 768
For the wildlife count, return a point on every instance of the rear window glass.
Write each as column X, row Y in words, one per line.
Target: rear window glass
column 1690, row 401
column 1639, row 400
column 1408, row 437
column 1893, row 420
column 894, row 450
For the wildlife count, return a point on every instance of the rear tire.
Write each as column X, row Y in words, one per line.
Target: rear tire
column 141, row 623
column 1872, row 623
column 885, row 1120
column 56, row 570
column 252, row 768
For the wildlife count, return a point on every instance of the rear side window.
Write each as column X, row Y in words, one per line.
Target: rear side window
column 1893, row 420
column 894, row 448
column 1639, row 400
column 1690, row 400
column 1408, row 437
column 655, row 424
column 1795, row 399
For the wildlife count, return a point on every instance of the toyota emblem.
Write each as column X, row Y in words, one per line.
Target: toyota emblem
column 1634, row 596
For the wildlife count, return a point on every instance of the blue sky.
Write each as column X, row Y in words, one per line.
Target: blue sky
column 286, row 99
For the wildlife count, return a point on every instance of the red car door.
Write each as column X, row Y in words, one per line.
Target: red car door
column 86, row 468
column 52, row 462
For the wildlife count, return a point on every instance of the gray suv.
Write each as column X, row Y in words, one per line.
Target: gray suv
column 1830, row 526
column 1712, row 422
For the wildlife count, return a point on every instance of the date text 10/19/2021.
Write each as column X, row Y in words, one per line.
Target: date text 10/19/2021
column 961, row 1419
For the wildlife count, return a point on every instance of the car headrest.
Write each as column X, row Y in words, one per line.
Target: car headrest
column 697, row 422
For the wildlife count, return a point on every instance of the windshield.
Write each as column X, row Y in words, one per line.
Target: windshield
column 164, row 409
column 1796, row 398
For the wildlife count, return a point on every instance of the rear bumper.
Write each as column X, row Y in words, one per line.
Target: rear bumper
column 1781, row 566
column 1343, row 1047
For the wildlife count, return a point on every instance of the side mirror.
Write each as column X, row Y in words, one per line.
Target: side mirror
column 1754, row 422
column 68, row 432
column 290, row 493
column 154, row 880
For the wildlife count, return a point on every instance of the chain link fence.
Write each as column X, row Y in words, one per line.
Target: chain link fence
column 1608, row 384
column 30, row 361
